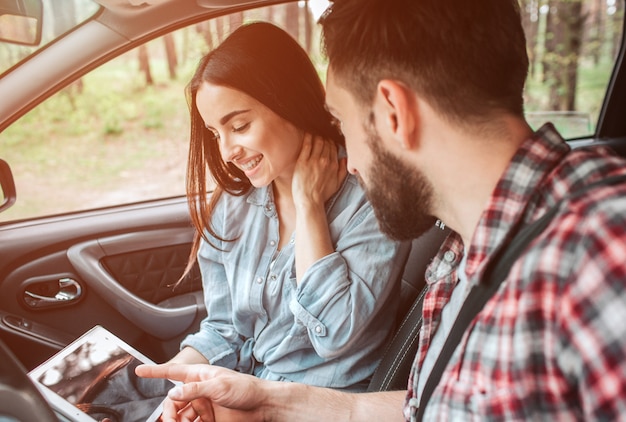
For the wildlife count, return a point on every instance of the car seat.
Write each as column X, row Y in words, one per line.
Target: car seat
column 393, row 371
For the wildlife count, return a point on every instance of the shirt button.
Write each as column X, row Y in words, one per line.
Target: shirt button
column 259, row 280
column 449, row 256
column 292, row 241
column 318, row 329
column 273, row 277
column 272, row 242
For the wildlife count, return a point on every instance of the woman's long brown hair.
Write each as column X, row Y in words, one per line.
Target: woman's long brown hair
column 266, row 63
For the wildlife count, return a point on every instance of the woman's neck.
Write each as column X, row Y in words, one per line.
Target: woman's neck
column 286, row 210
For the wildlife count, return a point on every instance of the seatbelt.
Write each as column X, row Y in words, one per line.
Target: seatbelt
column 496, row 272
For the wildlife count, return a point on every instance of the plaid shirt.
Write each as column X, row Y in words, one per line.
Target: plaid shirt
column 551, row 343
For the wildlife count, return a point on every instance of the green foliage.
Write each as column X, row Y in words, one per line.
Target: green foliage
column 111, row 133
column 103, row 137
column 590, row 91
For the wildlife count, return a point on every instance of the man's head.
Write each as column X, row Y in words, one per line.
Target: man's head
column 465, row 59
column 400, row 195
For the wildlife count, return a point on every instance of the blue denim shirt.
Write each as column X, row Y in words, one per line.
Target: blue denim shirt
column 331, row 329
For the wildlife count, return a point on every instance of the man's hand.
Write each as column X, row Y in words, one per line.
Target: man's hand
column 209, row 393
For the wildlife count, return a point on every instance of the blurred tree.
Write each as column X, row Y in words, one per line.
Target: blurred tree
column 234, row 21
column 144, row 63
column 616, row 9
column 204, row 28
column 595, row 29
column 308, row 27
column 219, row 29
column 563, row 33
column 170, row 51
column 530, row 22
column 292, row 19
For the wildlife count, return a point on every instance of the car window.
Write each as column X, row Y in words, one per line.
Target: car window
column 572, row 46
column 120, row 134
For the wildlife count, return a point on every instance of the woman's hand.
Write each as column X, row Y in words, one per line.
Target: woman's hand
column 195, row 410
column 318, row 175
column 319, row 172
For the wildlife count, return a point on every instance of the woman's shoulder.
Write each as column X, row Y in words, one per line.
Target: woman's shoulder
column 255, row 196
column 350, row 197
column 352, row 187
column 233, row 209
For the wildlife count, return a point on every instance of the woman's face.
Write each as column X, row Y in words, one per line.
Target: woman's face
column 251, row 136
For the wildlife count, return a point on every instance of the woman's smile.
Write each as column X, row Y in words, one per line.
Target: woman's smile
column 250, row 164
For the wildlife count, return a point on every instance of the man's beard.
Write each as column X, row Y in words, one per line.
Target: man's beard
column 400, row 195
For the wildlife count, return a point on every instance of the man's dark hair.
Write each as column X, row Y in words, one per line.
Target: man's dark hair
column 467, row 58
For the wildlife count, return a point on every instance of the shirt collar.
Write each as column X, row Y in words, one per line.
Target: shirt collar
column 264, row 196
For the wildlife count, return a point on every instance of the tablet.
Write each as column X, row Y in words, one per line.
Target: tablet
column 93, row 378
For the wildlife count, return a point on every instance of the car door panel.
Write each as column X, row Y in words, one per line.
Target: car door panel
column 116, row 268
column 140, row 268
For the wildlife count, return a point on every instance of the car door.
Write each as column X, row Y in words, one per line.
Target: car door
column 62, row 276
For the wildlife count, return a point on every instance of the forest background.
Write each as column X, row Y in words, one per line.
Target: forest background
column 137, row 102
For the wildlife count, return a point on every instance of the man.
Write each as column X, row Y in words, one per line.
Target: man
column 429, row 96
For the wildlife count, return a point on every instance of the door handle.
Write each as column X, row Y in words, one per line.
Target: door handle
column 52, row 293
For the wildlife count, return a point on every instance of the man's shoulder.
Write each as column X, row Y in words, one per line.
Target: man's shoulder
column 596, row 209
column 588, row 231
column 579, row 178
column 590, row 216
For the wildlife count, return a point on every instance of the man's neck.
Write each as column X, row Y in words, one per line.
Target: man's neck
column 470, row 166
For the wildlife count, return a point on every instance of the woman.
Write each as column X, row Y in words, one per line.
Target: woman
column 296, row 274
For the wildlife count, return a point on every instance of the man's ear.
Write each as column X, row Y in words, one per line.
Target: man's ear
column 397, row 111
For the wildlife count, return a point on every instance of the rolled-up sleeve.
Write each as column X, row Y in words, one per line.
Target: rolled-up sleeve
column 342, row 294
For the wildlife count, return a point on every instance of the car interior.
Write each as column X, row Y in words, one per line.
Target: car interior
column 116, row 264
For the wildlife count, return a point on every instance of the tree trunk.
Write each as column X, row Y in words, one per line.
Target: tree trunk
column 564, row 26
column 530, row 22
column 144, row 64
column 219, row 28
column 549, row 43
column 235, row 20
column 595, row 29
column 308, row 28
column 616, row 35
column 574, row 23
column 292, row 19
column 204, row 29
column 170, row 50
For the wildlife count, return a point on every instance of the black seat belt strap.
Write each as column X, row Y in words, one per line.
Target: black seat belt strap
column 497, row 270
